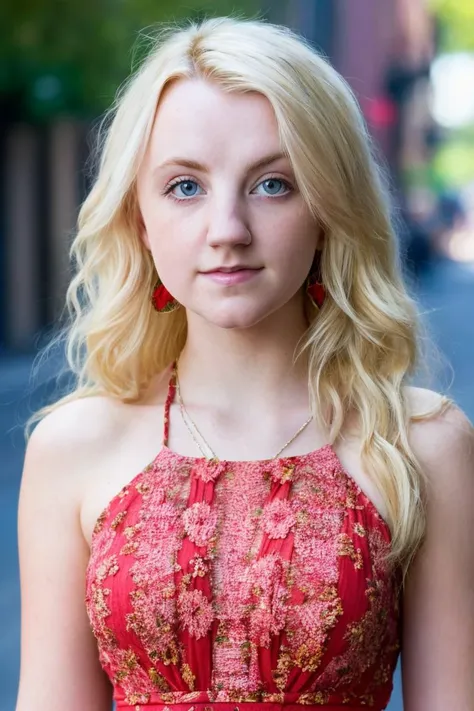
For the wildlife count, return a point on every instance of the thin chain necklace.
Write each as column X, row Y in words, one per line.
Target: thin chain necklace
column 195, row 433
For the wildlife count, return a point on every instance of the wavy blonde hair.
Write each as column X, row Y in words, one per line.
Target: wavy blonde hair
column 363, row 344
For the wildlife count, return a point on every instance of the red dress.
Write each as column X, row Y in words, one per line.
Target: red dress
column 227, row 586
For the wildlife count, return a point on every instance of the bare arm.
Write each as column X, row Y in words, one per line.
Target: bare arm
column 438, row 647
column 59, row 661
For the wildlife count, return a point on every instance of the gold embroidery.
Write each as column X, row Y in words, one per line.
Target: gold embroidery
column 346, row 548
column 107, row 568
column 188, row 676
column 100, row 522
column 118, row 519
column 287, row 473
column 317, row 698
column 308, row 659
column 359, row 530
column 281, row 673
column 158, row 680
column 143, row 488
column 135, row 699
column 131, row 531
column 129, row 548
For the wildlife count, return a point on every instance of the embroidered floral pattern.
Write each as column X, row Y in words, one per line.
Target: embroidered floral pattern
column 200, row 523
column 195, row 613
column 209, row 469
column 241, row 582
column 268, row 600
column 280, row 470
column 278, row 518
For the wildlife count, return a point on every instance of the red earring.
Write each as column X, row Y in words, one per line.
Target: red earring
column 314, row 284
column 315, row 291
column 162, row 300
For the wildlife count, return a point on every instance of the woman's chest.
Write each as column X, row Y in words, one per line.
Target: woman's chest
column 229, row 541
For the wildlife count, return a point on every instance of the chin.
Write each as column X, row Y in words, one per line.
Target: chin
column 232, row 318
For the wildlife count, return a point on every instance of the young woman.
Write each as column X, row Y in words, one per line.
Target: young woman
column 257, row 508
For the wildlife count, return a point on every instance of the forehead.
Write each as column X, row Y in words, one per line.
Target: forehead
column 198, row 118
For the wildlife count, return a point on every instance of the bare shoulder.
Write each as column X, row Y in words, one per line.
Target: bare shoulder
column 77, row 422
column 440, row 432
column 87, row 449
column 422, row 400
column 79, row 436
column 86, row 426
column 63, row 447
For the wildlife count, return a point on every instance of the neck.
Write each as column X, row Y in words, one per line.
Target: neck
column 245, row 367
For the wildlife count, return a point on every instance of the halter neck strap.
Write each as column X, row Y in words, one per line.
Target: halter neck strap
column 169, row 401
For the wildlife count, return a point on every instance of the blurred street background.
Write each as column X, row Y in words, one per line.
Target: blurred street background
column 411, row 65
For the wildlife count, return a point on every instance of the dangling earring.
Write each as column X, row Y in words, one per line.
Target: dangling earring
column 316, row 292
column 314, row 286
column 162, row 300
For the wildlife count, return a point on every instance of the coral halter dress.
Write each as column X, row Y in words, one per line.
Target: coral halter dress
column 244, row 586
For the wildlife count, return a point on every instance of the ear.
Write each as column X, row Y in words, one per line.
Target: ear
column 321, row 238
column 144, row 239
column 142, row 231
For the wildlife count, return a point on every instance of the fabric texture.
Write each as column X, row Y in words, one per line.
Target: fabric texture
column 221, row 585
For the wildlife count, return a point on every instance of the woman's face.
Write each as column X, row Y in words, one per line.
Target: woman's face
column 230, row 234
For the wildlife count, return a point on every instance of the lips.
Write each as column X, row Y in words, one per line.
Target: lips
column 230, row 270
column 232, row 276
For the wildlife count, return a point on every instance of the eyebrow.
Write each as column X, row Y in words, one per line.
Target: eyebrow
column 195, row 165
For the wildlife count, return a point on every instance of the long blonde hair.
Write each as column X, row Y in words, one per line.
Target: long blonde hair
column 362, row 345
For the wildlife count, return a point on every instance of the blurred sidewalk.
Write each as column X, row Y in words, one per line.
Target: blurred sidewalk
column 14, row 372
column 447, row 298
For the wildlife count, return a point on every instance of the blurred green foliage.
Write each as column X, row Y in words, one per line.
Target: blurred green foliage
column 69, row 56
column 456, row 23
column 453, row 165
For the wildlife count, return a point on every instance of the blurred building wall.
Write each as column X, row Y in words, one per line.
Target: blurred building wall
column 41, row 191
column 363, row 43
column 22, row 234
column 381, row 47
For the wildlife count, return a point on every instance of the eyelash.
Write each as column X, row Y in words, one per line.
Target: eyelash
column 167, row 190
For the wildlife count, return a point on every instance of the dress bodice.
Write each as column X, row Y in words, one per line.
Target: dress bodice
column 214, row 585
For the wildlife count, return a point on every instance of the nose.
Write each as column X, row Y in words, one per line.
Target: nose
column 227, row 225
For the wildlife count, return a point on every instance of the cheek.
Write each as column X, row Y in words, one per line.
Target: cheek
column 170, row 229
column 169, row 262
column 297, row 243
column 164, row 238
column 173, row 256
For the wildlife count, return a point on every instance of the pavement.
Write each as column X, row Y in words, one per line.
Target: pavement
column 447, row 298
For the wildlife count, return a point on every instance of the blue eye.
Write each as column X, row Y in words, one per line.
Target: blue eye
column 186, row 185
column 274, row 184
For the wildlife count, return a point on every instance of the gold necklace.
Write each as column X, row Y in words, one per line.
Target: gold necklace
column 193, row 429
